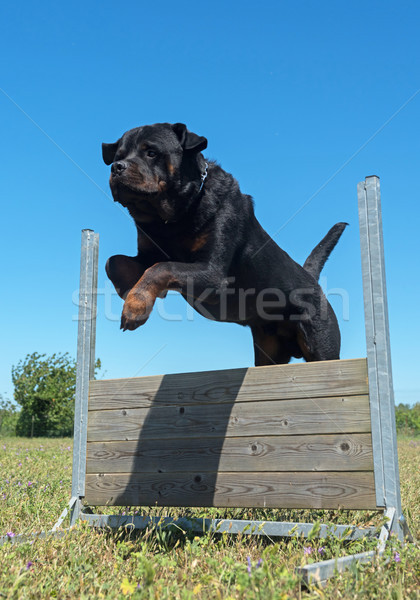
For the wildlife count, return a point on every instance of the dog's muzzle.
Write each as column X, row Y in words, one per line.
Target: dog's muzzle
column 118, row 167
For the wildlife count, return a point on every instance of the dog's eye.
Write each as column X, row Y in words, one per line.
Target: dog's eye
column 151, row 153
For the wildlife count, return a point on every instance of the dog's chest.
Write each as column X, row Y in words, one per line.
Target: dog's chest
column 186, row 248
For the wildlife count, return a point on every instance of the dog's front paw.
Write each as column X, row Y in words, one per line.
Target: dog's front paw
column 136, row 311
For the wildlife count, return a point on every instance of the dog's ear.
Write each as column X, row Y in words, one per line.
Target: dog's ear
column 188, row 139
column 109, row 151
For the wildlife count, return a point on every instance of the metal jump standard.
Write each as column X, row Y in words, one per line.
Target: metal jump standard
column 309, row 435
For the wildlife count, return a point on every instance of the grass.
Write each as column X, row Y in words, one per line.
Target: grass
column 35, row 483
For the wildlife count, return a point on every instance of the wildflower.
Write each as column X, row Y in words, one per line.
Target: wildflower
column 397, row 557
column 29, row 565
column 307, row 550
column 126, row 587
column 10, row 534
column 249, row 567
column 29, row 483
column 321, row 550
column 259, row 563
column 20, row 464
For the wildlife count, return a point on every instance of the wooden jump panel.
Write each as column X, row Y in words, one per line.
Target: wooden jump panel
column 300, row 380
column 335, row 452
column 253, row 490
column 292, row 436
column 285, row 417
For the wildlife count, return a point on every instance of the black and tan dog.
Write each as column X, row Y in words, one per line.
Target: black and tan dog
column 198, row 234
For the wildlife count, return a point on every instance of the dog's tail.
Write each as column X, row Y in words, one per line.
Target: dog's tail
column 319, row 255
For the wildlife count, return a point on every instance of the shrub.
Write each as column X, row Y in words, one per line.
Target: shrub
column 8, row 417
column 408, row 419
column 44, row 388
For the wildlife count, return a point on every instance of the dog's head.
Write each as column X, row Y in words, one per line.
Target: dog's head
column 156, row 170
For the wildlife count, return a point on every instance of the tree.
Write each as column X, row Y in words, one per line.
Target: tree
column 8, row 416
column 44, row 388
column 408, row 418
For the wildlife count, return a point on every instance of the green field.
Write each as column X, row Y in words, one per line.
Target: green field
column 35, row 483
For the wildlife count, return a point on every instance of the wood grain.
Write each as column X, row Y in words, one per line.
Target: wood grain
column 335, row 452
column 254, row 490
column 292, row 436
column 285, row 417
column 300, row 380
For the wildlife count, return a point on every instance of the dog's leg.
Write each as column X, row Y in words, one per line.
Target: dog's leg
column 196, row 280
column 268, row 348
column 124, row 272
column 319, row 343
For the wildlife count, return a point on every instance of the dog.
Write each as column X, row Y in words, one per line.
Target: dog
column 198, row 234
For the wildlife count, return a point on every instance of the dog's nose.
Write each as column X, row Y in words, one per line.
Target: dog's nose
column 118, row 167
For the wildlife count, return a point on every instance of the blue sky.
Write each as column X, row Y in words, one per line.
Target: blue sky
column 299, row 100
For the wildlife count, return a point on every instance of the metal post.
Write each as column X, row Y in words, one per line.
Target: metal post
column 384, row 434
column 85, row 362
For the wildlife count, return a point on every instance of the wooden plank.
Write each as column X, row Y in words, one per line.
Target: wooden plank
column 254, row 490
column 336, row 452
column 300, row 380
column 285, row 417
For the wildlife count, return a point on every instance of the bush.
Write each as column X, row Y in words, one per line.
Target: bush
column 408, row 419
column 8, row 417
column 44, row 388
